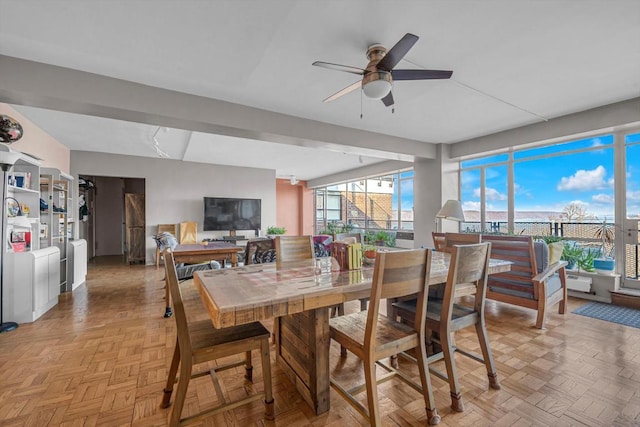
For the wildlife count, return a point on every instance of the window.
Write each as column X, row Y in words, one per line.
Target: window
column 374, row 203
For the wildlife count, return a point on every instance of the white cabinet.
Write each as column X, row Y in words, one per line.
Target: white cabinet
column 32, row 284
column 77, row 255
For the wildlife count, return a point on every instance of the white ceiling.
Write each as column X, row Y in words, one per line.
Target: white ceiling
column 515, row 62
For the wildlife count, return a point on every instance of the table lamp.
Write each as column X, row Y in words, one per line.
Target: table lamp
column 451, row 210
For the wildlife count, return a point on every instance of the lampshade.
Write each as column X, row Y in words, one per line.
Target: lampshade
column 376, row 84
column 451, row 210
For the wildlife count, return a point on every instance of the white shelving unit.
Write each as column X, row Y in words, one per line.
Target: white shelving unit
column 31, row 274
column 56, row 221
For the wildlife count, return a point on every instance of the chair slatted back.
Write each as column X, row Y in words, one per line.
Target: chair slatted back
column 168, row 228
column 520, row 251
column 439, row 241
column 460, row 239
column 294, row 248
column 188, row 233
column 469, row 265
column 178, row 305
column 399, row 274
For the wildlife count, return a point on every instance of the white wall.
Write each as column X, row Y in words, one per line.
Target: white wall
column 175, row 189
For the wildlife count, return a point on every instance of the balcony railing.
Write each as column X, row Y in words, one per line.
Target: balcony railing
column 583, row 233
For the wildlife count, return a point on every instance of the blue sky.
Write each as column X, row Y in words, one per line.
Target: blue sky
column 551, row 183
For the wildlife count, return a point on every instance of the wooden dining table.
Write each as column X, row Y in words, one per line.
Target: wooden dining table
column 297, row 295
column 195, row 253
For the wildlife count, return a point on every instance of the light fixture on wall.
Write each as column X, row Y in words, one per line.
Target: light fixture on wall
column 293, row 180
column 10, row 129
column 451, row 210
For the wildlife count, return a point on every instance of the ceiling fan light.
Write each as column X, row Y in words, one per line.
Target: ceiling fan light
column 377, row 85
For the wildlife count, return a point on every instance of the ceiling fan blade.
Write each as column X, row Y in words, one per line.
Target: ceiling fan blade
column 339, row 67
column 420, row 74
column 388, row 100
column 397, row 52
column 344, row 91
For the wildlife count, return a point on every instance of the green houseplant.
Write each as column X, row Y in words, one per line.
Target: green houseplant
column 571, row 253
column 604, row 262
column 273, row 230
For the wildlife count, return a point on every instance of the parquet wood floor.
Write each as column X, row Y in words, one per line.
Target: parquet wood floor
column 100, row 358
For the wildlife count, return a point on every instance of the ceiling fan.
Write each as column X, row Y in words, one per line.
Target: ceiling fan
column 379, row 73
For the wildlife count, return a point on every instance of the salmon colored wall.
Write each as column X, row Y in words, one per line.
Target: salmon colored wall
column 294, row 207
column 38, row 143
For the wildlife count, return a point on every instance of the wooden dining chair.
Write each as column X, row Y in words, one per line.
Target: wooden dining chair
column 372, row 336
column 294, row 248
column 439, row 242
column 199, row 342
column 452, row 239
column 469, row 264
column 188, row 233
column 164, row 228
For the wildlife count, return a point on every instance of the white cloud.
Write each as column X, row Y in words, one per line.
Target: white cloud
column 490, row 194
column 584, row 180
column 602, row 198
column 471, row 206
column 633, row 195
column 493, row 194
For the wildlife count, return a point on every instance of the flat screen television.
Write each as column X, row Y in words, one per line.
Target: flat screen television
column 231, row 214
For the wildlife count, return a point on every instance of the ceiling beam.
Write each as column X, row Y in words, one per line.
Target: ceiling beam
column 42, row 85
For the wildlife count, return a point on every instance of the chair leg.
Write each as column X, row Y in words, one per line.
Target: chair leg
column 248, row 367
column 171, row 378
column 427, row 391
column 181, row 393
column 372, row 392
column 542, row 308
column 481, row 331
column 450, row 363
column 269, row 410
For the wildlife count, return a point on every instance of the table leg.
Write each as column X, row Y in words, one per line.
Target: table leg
column 234, row 259
column 302, row 350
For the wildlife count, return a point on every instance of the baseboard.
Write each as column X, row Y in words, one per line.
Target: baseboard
column 588, row 296
column 625, row 299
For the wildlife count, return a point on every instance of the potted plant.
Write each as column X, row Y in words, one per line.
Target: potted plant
column 605, row 262
column 380, row 238
column 571, row 253
column 273, row 230
column 369, row 254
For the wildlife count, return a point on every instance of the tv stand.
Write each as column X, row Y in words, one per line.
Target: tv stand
column 233, row 238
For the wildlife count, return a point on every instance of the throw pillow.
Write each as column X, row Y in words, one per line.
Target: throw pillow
column 165, row 240
column 555, row 252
